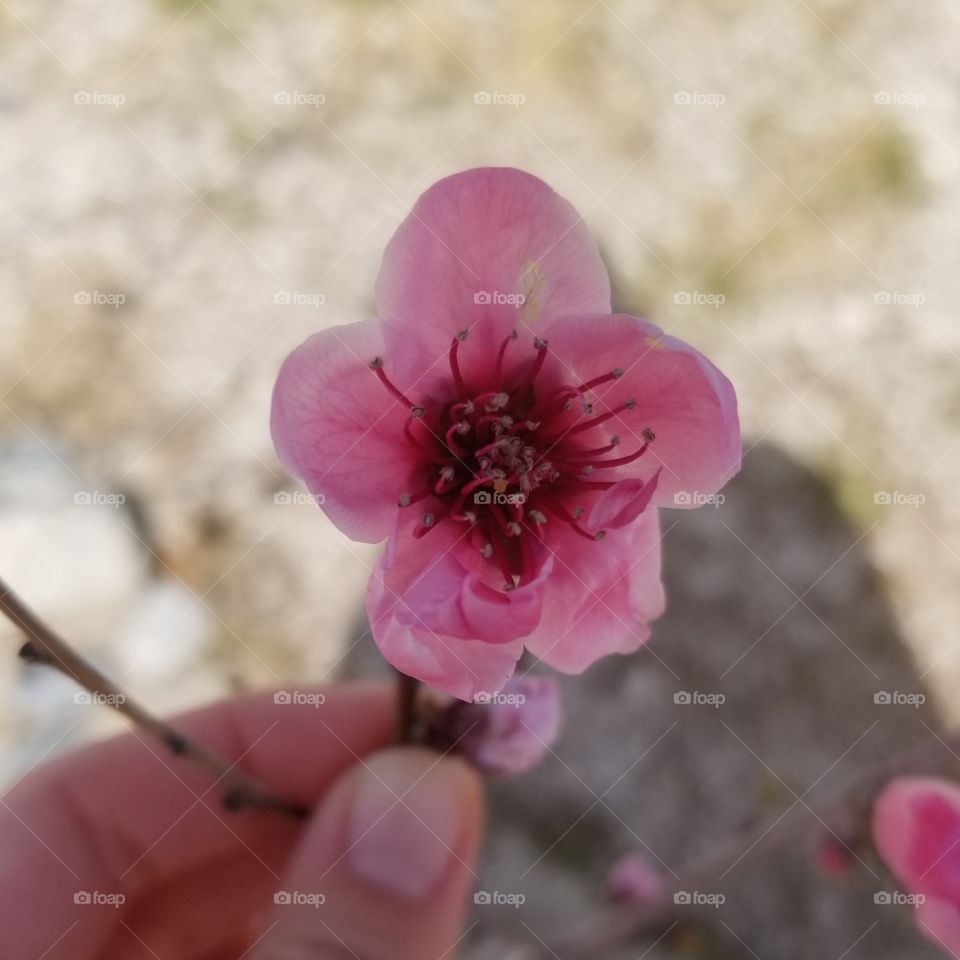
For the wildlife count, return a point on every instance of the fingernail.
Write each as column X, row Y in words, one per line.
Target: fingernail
column 406, row 819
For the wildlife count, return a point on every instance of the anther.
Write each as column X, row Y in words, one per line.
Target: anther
column 648, row 435
column 427, row 520
column 536, row 516
column 417, row 412
column 514, row 529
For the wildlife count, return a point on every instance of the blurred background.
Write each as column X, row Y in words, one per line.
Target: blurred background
column 189, row 189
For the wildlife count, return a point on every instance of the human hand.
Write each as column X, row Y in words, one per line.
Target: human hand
column 382, row 868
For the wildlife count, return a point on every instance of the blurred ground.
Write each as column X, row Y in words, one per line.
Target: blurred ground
column 190, row 189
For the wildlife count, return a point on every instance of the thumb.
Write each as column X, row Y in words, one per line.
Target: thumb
column 384, row 868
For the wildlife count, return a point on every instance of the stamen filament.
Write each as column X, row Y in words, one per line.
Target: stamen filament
column 455, row 363
column 376, row 365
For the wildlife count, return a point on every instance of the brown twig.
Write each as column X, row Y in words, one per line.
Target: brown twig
column 408, row 719
column 43, row 646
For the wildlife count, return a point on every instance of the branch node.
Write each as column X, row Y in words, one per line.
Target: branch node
column 31, row 653
column 177, row 743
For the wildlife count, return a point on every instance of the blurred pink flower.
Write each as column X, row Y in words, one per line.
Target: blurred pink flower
column 634, row 879
column 509, row 436
column 916, row 829
column 510, row 731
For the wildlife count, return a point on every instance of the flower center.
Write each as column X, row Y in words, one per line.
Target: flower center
column 505, row 460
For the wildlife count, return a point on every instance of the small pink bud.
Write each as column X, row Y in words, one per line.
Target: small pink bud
column 634, row 879
column 834, row 858
column 506, row 732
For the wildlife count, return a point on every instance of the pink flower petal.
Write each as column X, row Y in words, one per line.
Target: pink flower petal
column 601, row 595
column 916, row 829
column 335, row 426
column 939, row 922
column 472, row 240
column 434, row 619
column 680, row 395
column 622, row 503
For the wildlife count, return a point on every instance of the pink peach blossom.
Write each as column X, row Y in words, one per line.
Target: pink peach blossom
column 508, row 436
column 916, row 829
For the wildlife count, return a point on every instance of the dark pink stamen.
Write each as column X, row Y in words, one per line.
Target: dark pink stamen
column 498, row 376
column 455, row 363
column 376, row 365
column 509, row 462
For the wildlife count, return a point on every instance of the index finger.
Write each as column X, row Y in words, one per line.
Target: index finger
column 120, row 817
